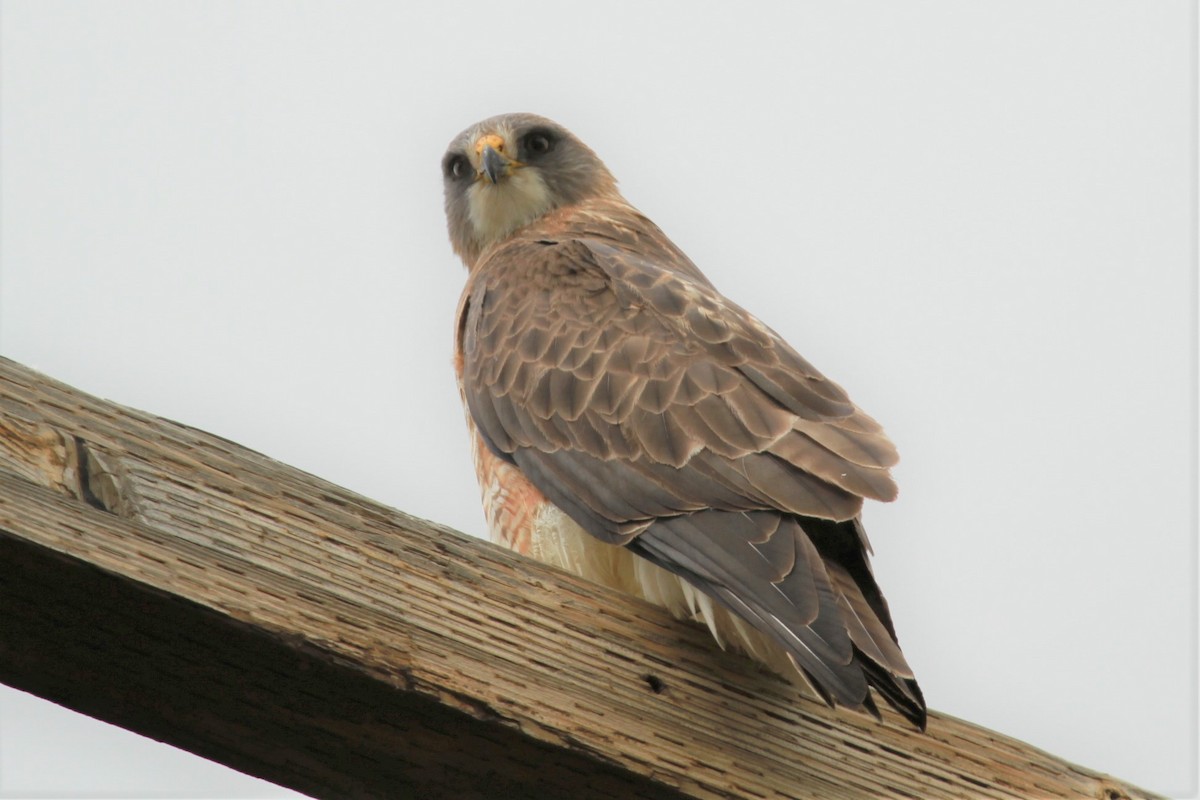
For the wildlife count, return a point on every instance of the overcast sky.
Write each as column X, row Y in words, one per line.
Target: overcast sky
column 977, row 217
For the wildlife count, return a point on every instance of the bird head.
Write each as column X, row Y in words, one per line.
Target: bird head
column 507, row 171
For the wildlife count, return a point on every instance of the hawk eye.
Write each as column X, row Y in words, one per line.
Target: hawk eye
column 457, row 167
column 538, row 143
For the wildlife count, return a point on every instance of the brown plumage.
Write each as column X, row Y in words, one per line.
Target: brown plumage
column 635, row 426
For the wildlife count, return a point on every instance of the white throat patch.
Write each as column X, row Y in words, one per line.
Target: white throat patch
column 496, row 210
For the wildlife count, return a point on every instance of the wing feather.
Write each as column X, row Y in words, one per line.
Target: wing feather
column 659, row 415
column 800, row 451
column 866, row 449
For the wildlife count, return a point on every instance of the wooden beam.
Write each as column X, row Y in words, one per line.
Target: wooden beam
column 184, row 587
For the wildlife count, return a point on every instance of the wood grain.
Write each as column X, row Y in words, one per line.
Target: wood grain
column 187, row 588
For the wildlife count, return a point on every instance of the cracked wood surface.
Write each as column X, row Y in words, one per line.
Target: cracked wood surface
column 182, row 586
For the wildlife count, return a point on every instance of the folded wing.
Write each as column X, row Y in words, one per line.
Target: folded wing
column 663, row 417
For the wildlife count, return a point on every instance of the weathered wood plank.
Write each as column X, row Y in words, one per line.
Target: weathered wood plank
column 180, row 585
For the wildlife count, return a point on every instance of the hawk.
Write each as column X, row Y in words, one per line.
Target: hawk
column 632, row 425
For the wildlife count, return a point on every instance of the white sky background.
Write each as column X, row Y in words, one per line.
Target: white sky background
column 977, row 217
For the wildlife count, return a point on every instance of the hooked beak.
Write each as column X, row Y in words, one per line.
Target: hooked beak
column 493, row 164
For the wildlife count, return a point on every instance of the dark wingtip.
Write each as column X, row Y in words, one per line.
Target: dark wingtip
column 919, row 715
column 902, row 694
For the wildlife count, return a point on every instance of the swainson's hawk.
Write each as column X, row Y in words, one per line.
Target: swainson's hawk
column 634, row 426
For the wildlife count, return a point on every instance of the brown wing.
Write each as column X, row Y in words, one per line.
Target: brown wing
column 663, row 417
